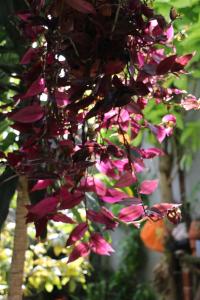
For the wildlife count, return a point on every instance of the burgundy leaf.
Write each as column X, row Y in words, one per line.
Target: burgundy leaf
column 41, row 209
column 59, row 217
column 28, row 114
column 37, row 87
column 147, row 187
column 159, row 132
column 30, row 54
column 163, row 208
column 40, row 226
column 114, row 196
column 77, row 233
column 82, row 6
column 127, row 179
column 181, row 62
column 165, row 65
column 69, row 200
column 62, row 99
column 104, row 216
column 95, row 185
column 80, row 250
column 99, row 245
column 41, row 184
column 151, row 152
column 131, row 213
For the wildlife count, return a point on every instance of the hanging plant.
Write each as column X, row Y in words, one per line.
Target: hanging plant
column 93, row 66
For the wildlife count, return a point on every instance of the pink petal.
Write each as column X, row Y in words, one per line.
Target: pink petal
column 170, row 34
column 190, row 103
column 148, row 187
column 169, row 118
column 131, row 213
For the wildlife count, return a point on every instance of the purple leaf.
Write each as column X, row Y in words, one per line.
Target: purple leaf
column 28, row 114
column 114, row 196
column 147, row 187
column 40, row 227
column 59, row 217
column 37, row 87
column 81, row 6
column 41, row 184
column 69, row 200
column 151, row 152
column 131, row 213
column 77, row 233
column 41, row 209
column 159, row 131
column 104, row 216
column 165, row 65
column 62, row 99
column 99, row 245
column 127, row 179
column 80, row 250
column 30, row 54
column 181, row 62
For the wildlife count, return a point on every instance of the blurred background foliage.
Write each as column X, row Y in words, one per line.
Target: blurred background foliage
column 46, row 272
column 46, row 268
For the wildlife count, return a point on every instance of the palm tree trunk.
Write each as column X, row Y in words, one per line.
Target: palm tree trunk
column 20, row 243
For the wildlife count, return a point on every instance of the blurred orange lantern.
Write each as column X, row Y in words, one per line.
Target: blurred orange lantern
column 153, row 235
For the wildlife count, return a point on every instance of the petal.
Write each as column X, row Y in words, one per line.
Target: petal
column 148, row 187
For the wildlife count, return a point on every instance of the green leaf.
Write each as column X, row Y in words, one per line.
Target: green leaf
column 8, row 185
column 49, row 287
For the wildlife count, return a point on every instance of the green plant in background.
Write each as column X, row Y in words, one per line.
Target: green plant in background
column 127, row 282
column 187, row 39
column 46, row 265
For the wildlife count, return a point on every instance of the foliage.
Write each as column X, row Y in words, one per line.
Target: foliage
column 126, row 283
column 45, row 265
column 186, row 39
column 186, row 25
column 91, row 67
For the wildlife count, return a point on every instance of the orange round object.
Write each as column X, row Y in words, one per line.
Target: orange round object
column 152, row 234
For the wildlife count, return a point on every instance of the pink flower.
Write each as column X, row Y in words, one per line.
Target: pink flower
column 190, row 103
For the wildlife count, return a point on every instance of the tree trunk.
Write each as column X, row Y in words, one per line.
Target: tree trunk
column 20, row 243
